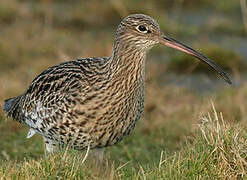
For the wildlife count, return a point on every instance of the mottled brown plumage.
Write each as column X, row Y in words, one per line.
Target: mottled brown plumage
column 94, row 102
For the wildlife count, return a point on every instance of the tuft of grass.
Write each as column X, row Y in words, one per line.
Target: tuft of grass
column 217, row 150
column 227, row 145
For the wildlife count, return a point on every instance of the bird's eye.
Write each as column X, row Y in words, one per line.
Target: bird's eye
column 142, row 28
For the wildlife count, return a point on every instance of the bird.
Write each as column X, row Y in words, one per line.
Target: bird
column 95, row 102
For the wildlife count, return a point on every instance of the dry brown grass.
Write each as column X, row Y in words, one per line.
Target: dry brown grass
column 228, row 145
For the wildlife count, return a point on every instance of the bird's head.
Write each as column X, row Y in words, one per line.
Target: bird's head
column 143, row 32
column 139, row 31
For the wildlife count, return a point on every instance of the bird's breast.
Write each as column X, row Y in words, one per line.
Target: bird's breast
column 118, row 107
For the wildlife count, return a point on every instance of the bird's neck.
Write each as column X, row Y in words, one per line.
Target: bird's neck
column 128, row 61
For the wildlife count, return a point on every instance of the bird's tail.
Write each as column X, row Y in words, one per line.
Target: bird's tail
column 11, row 106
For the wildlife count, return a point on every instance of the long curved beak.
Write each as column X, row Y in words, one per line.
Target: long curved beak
column 170, row 42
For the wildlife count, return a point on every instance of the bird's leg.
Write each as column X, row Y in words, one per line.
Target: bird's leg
column 98, row 154
column 50, row 146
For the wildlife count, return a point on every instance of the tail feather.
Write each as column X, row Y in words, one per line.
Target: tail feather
column 10, row 105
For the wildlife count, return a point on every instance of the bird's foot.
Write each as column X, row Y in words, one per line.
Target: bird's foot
column 50, row 146
column 96, row 157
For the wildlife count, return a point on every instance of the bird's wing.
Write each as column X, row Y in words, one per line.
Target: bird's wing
column 56, row 91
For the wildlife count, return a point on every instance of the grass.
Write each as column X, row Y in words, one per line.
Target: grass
column 181, row 136
column 215, row 150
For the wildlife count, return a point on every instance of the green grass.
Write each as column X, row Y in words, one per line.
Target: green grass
column 215, row 150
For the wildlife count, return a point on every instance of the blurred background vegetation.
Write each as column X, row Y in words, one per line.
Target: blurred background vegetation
column 35, row 35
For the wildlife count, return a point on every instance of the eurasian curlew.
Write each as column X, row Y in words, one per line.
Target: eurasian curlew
column 95, row 102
